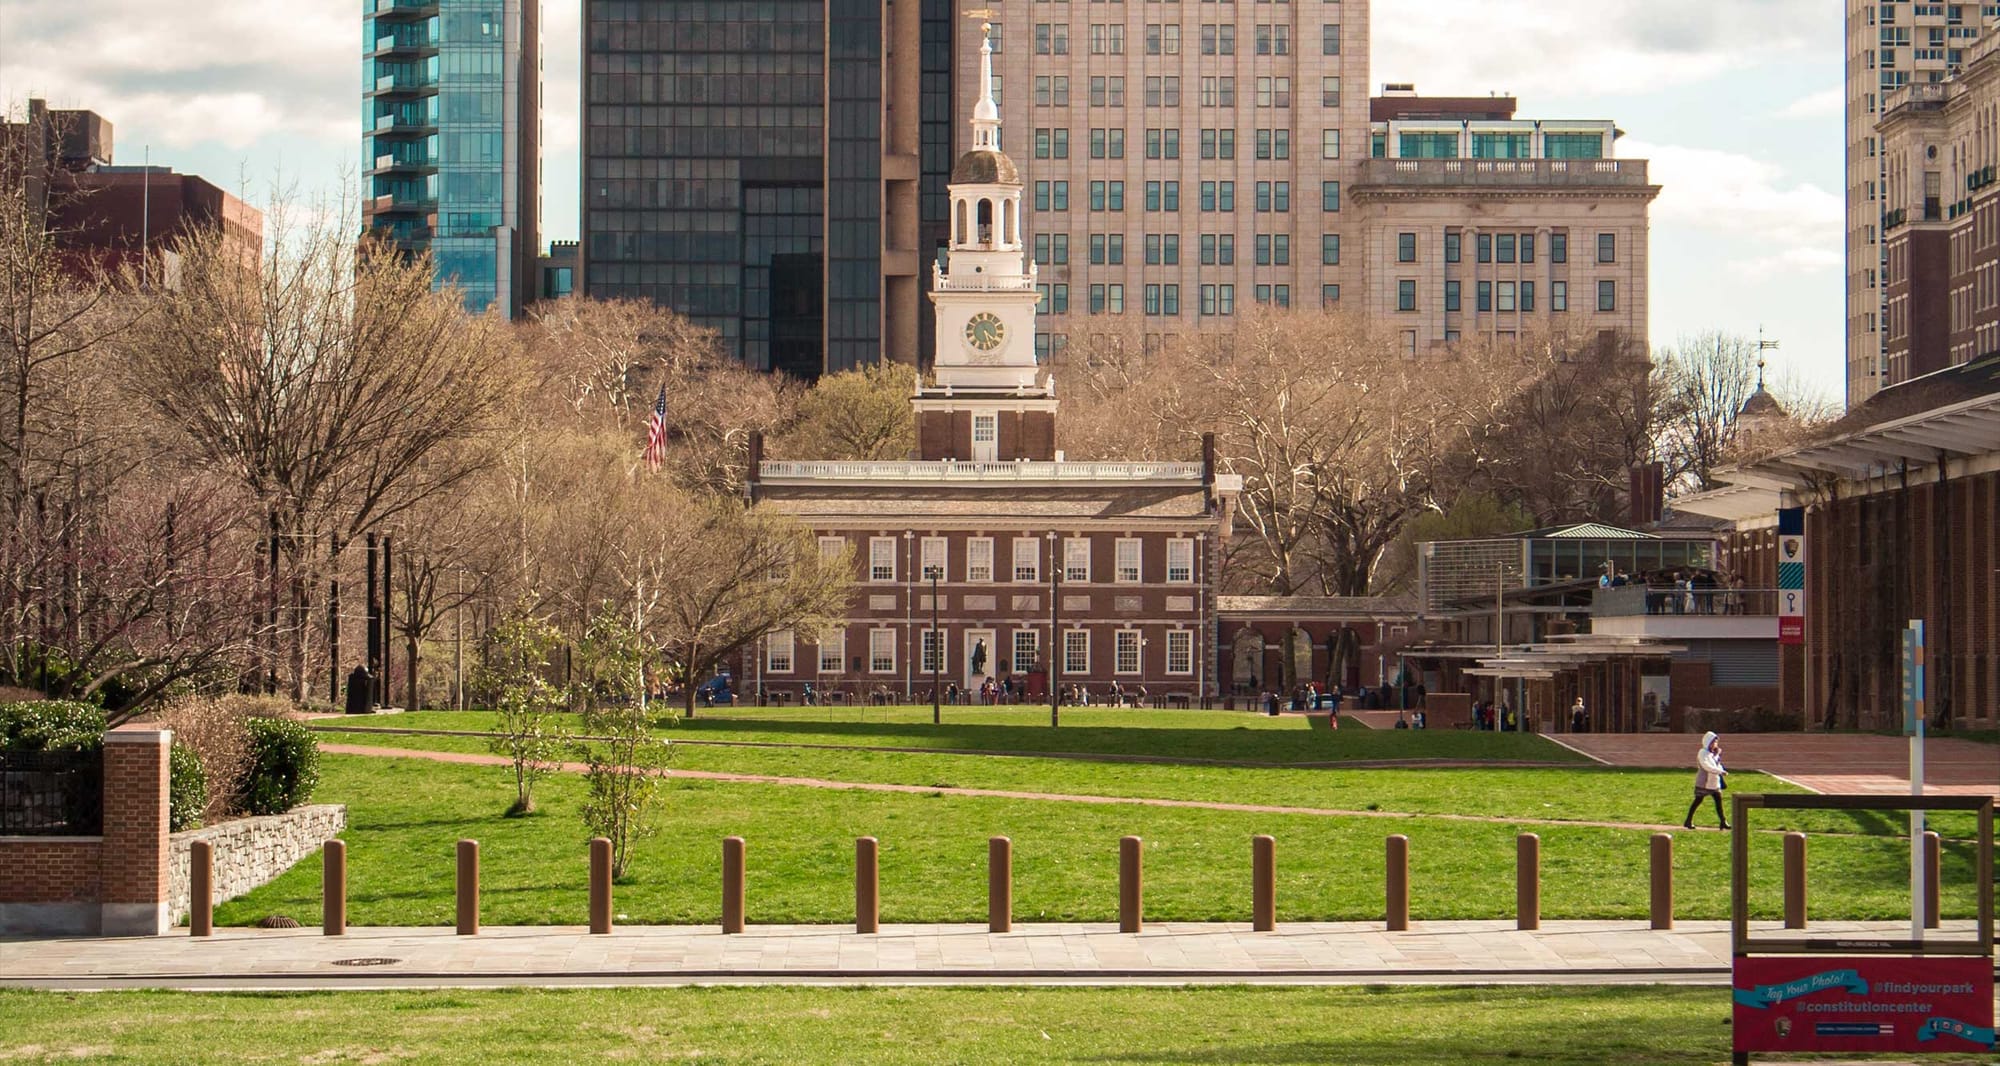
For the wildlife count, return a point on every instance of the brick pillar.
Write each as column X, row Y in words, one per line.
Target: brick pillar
column 133, row 860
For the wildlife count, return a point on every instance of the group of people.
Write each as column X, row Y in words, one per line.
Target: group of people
column 1689, row 591
column 1489, row 716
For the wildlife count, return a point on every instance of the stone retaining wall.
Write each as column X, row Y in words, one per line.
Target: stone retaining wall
column 250, row 852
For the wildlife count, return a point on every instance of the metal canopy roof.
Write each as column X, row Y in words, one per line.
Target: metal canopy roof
column 1962, row 430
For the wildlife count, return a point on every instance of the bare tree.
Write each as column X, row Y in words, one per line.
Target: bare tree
column 856, row 414
column 1702, row 380
column 332, row 383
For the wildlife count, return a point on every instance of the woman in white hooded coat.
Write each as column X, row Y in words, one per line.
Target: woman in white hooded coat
column 1708, row 779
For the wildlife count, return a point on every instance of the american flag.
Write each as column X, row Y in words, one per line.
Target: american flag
column 656, row 432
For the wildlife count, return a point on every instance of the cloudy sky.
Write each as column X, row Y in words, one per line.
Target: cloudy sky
column 1737, row 105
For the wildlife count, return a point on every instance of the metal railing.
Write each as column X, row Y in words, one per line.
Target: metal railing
column 1503, row 172
column 969, row 471
column 1626, row 600
column 52, row 793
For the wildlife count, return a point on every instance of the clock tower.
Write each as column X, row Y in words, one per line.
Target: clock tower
column 988, row 400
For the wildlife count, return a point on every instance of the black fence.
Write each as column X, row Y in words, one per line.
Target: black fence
column 52, row 793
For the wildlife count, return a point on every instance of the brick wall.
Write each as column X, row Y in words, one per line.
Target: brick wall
column 114, row 885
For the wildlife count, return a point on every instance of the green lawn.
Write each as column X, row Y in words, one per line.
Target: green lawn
column 1583, row 793
column 1237, row 735
column 404, row 815
column 529, row 1027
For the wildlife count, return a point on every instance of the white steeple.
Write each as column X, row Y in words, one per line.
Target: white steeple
column 986, row 113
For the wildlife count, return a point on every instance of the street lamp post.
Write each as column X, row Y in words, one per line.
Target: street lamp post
column 937, row 643
column 1055, row 634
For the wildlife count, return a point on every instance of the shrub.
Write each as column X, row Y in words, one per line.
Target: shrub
column 284, row 766
column 215, row 730
column 250, row 705
column 50, row 725
column 187, row 789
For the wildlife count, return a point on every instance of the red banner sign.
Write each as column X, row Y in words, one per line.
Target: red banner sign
column 1869, row 1004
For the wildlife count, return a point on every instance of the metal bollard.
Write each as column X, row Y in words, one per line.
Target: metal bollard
column 333, row 888
column 1933, row 864
column 468, row 888
column 1131, row 892
column 999, row 885
column 1263, row 883
column 600, row 885
column 867, row 885
column 1795, row 880
column 1398, row 880
column 732, row 884
column 1527, row 881
column 1663, row 880
column 201, row 888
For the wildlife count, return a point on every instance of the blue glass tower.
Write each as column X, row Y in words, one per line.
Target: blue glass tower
column 450, row 153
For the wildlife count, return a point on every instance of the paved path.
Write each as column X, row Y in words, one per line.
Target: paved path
column 1823, row 762
column 1585, row 952
column 472, row 759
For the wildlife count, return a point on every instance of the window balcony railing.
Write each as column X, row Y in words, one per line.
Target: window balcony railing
column 406, row 7
column 977, row 472
column 1629, row 600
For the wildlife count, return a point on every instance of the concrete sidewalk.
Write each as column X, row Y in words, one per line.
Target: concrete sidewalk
column 1464, row 952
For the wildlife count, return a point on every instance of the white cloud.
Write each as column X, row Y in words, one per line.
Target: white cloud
column 1827, row 103
column 1572, row 47
column 1795, row 226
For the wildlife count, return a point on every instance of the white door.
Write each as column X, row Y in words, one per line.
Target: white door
column 985, row 438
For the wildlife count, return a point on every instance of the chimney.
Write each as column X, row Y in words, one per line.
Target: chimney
column 1208, row 469
column 1647, row 498
column 756, row 467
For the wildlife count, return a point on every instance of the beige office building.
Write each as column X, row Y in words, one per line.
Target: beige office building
column 1474, row 224
column 1890, row 44
column 1184, row 161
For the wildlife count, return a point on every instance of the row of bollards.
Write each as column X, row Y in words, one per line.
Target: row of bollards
column 1000, row 884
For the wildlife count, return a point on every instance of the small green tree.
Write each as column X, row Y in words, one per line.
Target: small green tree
column 527, row 730
column 627, row 761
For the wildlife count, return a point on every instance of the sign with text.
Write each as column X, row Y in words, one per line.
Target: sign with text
column 1791, row 575
column 1864, row 1004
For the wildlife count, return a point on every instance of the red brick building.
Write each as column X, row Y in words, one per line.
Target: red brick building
column 988, row 555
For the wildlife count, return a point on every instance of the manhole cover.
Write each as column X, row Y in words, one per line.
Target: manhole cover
column 370, row 961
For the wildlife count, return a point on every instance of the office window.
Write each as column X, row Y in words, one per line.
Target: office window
column 1406, row 247
column 881, row 651
column 1027, row 559
column 1180, row 651
column 1329, row 295
column 1451, row 295
column 778, row 652
column 831, row 547
column 881, row 558
column 1607, row 295
column 833, row 650
column 1274, row 144
column 1527, row 296
column 1329, row 39
column 1027, row 649
column 1076, row 652
column 1126, row 561
column 1163, row 196
column 1607, row 248
column 1274, row 40
column 1274, row 92
column 1163, row 144
column 1559, row 247
column 1406, row 294
column 1076, row 559
column 1218, row 91
column 1483, row 296
column 1218, row 40
column 1558, row 295
column 1486, row 247
column 1329, row 92
column 1453, row 241
column 1329, row 196
column 1506, row 296
column 1107, row 196
column 931, row 559
column 1527, row 247
column 1180, row 560
column 1126, row 645
column 1503, row 247
column 979, row 559
column 1107, row 39
column 1329, row 144
column 1329, row 249
column 1050, row 38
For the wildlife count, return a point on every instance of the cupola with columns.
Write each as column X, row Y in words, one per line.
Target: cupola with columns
column 988, row 401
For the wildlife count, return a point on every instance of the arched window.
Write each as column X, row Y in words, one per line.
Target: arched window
column 985, row 221
column 963, row 234
column 1009, row 236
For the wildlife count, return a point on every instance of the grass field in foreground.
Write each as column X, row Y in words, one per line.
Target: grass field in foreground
column 405, row 814
column 1233, row 735
column 1643, row 1026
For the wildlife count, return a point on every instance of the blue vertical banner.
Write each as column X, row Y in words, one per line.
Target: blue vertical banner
column 1791, row 575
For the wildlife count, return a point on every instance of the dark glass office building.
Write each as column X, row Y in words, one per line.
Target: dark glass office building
column 756, row 165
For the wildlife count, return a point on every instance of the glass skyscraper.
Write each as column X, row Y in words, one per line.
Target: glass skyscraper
column 450, row 151
column 755, row 165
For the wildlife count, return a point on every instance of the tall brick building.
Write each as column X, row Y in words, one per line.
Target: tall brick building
column 1035, row 569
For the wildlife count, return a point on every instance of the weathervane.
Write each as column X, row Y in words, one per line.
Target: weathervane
column 1762, row 347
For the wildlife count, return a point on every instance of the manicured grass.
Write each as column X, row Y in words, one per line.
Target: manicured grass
column 1584, row 793
column 405, row 814
column 1410, row 1026
column 1232, row 735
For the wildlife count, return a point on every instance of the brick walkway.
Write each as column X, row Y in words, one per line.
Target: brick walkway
column 1581, row 952
column 1823, row 762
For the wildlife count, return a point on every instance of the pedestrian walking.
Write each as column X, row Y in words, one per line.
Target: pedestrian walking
column 1579, row 719
column 1709, row 779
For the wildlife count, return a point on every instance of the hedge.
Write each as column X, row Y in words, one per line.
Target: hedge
column 284, row 766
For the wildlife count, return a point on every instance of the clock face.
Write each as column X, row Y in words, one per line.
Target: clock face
column 985, row 331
